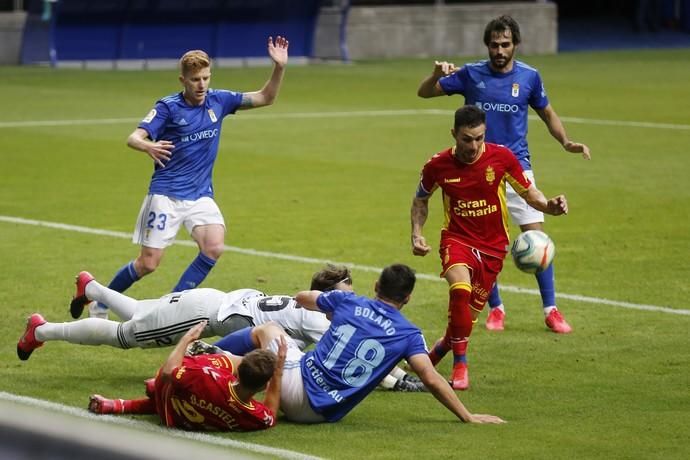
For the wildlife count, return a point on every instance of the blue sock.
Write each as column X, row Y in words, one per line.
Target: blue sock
column 547, row 286
column 459, row 359
column 495, row 297
column 122, row 280
column 195, row 273
column 238, row 343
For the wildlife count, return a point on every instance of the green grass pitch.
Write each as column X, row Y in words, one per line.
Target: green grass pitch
column 328, row 173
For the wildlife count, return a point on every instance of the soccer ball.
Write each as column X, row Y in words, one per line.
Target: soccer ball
column 533, row 251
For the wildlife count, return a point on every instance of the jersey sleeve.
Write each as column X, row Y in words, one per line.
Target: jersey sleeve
column 455, row 82
column 515, row 175
column 328, row 300
column 155, row 121
column 538, row 99
column 427, row 181
column 230, row 99
column 416, row 345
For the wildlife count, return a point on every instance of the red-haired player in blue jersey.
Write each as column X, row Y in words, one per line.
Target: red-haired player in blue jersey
column 472, row 176
column 181, row 135
column 505, row 89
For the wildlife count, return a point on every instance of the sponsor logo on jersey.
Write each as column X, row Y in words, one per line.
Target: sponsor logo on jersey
column 490, row 175
column 212, row 115
column 516, row 90
column 150, row 116
column 481, row 85
column 474, row 208
column 182, row 122
column 452, row 181
column 497, row 107
column 205, row 134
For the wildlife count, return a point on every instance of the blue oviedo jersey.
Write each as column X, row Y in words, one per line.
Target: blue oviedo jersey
column 195, row 133
column 366, row 339
column 505, row 97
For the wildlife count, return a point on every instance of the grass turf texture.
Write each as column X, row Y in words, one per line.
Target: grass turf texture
column 339, row 188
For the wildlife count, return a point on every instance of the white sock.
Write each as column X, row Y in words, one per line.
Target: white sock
column 500, row 307
column 548, row 310
column 120, row 304
column 388, row 382
column 397, row 373
column 88, row 331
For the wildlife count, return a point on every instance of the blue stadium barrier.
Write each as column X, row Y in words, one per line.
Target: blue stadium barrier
column 80, row 30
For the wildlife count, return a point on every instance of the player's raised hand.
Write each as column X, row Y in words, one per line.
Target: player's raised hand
column 160, row 151
column 443, row 68
column 195, row 332
column 419, row 246
column 576, row 147
column 557, row 205
column 485, row 418
column 278, row 50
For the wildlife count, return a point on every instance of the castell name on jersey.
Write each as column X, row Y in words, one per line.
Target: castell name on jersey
column 370, row 314
column 206, row 134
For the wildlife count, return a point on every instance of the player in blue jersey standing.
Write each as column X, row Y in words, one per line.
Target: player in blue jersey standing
column 505, row 89
column 366, row 339
column 181, row 135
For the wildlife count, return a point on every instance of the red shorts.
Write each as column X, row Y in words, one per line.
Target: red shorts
column 483, row 268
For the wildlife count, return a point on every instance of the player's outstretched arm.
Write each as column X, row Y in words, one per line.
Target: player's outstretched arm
column 557, row 130
column 429, row 87
column 442, row 391
column 177, row 355
column 307, row 299
column 278, row 51
column 555, row 206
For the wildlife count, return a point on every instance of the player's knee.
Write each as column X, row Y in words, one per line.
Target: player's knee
column 214, row 251
column 146, row 265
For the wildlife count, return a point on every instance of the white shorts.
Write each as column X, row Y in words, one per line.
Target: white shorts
column 520, row 211
column 294, row 401
column 160, row 218
column 162, row 322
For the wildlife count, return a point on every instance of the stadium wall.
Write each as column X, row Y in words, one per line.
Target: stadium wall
column 11, row 28
column 425, row 31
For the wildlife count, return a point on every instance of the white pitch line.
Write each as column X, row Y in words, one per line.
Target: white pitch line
column 339, row 114
column 366, row 268
column 145, row 426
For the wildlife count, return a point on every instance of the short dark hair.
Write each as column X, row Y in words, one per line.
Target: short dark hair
column 501, row 24
column 469, row 116
column 325, row 279
column 257, row 368
column 396, row 282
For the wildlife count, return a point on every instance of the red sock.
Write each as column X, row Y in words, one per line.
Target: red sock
column 439, row 350
column 138, row 406
column 459, row 319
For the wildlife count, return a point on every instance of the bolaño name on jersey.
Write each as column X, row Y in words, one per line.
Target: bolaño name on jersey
column 205, row 134
column 474, row 208
column 497, row 107
column 386, row 324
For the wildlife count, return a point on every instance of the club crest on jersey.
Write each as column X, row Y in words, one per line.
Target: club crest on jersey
column 150, row 116
column 490, row 175
column 516, row 90
column 212, row 115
